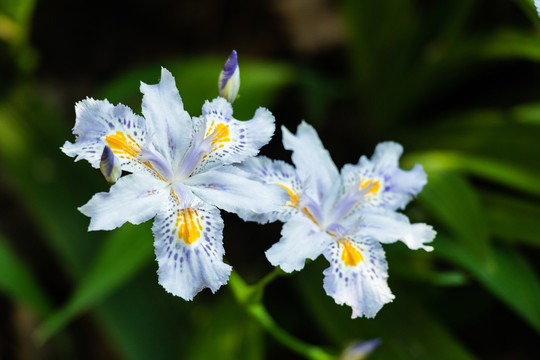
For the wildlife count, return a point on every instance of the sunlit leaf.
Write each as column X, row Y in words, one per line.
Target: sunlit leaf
column 18, row 282
column 507, row 44
column 527, row 113
column 196, row 79
column 489, row 134
column 500, row 171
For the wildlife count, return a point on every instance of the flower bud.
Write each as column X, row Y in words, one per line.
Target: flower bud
column 110, row 165
column 229, row 79
column 360, row 350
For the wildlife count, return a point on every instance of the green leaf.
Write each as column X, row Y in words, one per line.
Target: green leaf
column 15, row 22
column 513, row 219
column 510, row 277
column 527, row 113
column 196, row 79
column 125, row 251
column 454, row 203
column 230, row 331
column 406, row 329
column 143, row 321
column 49, row 184
column 529, row 9
column 18, row 282
column 504, row 44
column 489, row 134
column 503, row 172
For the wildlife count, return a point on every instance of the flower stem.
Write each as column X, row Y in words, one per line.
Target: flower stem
column 270, row 277
column 245, row 295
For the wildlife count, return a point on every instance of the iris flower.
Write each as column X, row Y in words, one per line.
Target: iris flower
column 343, row 216
column 180, row 173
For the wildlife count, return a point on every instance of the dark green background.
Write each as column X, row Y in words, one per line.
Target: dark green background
column 457, row 82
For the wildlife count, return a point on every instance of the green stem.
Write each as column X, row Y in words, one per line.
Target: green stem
column 270, row 277
column 244, row 294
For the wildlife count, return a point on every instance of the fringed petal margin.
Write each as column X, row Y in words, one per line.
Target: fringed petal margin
column 99, row 123
column 189, row 250
column 231, row 141
column 357, row 276
column 389, row 226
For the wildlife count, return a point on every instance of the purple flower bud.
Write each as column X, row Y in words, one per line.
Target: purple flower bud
column 110, row 165
column 229, row 79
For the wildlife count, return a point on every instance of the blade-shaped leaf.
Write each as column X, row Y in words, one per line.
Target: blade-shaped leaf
column 17, row 281
column 49, row 184
column 124, row 253
column 513, row 219
column 510, row 277
column 406, row 329
column 455, row 204
column 503, row 172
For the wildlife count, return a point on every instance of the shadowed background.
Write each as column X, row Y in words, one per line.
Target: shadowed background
column 456, row 82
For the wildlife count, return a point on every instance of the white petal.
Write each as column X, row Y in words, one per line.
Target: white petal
column 388, row 227
column 393, row 188
column 230, row 189
column 357, row 276
column 189, row 250
column 407, row 184
column 300, row 239
column 99, row 123
column 312, row 160
column 134, row 198
column 275, row 172
column 170, row 125
column 387, row 155
column 232, row 141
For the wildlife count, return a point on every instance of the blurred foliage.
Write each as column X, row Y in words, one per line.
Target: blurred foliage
column 461, row 92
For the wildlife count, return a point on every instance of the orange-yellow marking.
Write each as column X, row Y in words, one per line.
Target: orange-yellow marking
column 293, row 197
column 221, row 133
column 374, row 186
column 351, row 255
column 308, row 214
column 119, row 143
column 189, row 227
column 123, row 145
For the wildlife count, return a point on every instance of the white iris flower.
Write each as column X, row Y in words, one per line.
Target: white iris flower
column 180, row 174
column 343, row 216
